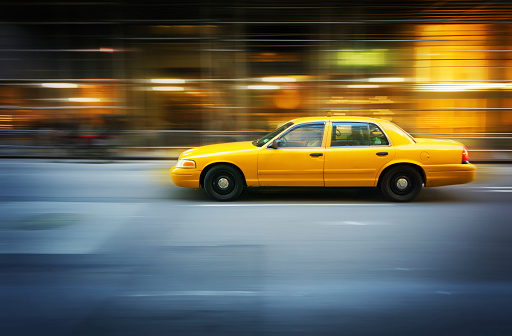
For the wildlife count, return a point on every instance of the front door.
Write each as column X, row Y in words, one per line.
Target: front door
column 297, row 161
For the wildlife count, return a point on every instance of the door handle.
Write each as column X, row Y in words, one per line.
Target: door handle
column 316, row 154
column 382, row 153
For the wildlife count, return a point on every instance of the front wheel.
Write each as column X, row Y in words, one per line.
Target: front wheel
column 223, row 183
column 401, row 184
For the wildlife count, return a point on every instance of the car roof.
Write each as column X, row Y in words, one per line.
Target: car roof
column 336, row 118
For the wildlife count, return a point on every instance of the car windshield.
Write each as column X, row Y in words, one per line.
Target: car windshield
column 261, row 141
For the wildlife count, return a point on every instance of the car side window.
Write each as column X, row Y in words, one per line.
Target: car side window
column 308, row 135
column 349, row 134
column 377, row 137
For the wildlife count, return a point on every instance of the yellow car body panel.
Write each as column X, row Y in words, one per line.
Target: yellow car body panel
column 354, row 166
column 186, row 178
column 240, row 154
column 291, row 167
column 295, row 167
column 439, row 161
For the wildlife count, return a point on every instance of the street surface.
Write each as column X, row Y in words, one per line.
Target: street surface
column 114, row 248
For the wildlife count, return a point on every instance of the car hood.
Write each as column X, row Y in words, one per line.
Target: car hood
column 218, row 149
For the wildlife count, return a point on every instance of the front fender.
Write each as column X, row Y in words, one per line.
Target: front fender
column 247, row 164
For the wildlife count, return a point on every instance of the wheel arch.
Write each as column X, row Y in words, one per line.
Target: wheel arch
column 417, row 167
column 213, row 164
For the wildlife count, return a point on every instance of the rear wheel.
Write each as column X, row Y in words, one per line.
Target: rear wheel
column 401, row 184
column 223, row 183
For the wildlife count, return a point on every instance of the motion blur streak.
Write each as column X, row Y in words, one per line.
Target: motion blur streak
column 93, row 245
column 91, row 79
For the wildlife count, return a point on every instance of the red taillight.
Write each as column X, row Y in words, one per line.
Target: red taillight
column 465, row 155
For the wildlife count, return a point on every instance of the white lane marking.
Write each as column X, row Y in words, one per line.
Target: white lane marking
column 196, row 293
column 494, row 187
column 354, row 223
column 344, row 223
column 286, row 204
column 493, row 190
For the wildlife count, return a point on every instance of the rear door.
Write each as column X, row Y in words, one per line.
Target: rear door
column 355, row 154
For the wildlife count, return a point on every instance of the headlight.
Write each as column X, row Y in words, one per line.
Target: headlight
column 186, row 164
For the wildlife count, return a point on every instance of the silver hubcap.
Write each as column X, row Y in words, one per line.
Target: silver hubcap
column 402, row 183
column 223, row 183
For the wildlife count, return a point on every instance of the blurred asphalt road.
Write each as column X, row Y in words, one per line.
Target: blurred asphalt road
column 113, row 248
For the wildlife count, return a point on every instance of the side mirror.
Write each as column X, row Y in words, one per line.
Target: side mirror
column 276, row 144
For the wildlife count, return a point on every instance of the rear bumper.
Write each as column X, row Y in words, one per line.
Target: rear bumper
column 442, row 175
column 185, row 177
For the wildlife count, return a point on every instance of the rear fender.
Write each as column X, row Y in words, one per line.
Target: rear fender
column 416, row 165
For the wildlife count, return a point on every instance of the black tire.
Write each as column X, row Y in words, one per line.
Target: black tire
column 223, row 183
column 401, row 184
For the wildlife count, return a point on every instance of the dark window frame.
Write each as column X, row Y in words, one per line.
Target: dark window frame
column 294, row 127
column 351, row 123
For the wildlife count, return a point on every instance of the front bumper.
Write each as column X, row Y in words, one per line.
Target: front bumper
column 185, row 177
column 442, row 175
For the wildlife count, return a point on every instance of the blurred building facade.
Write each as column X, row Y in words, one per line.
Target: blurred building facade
column 432, row 67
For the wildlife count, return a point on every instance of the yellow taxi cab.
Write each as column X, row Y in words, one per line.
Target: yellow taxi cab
column 327, row 152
